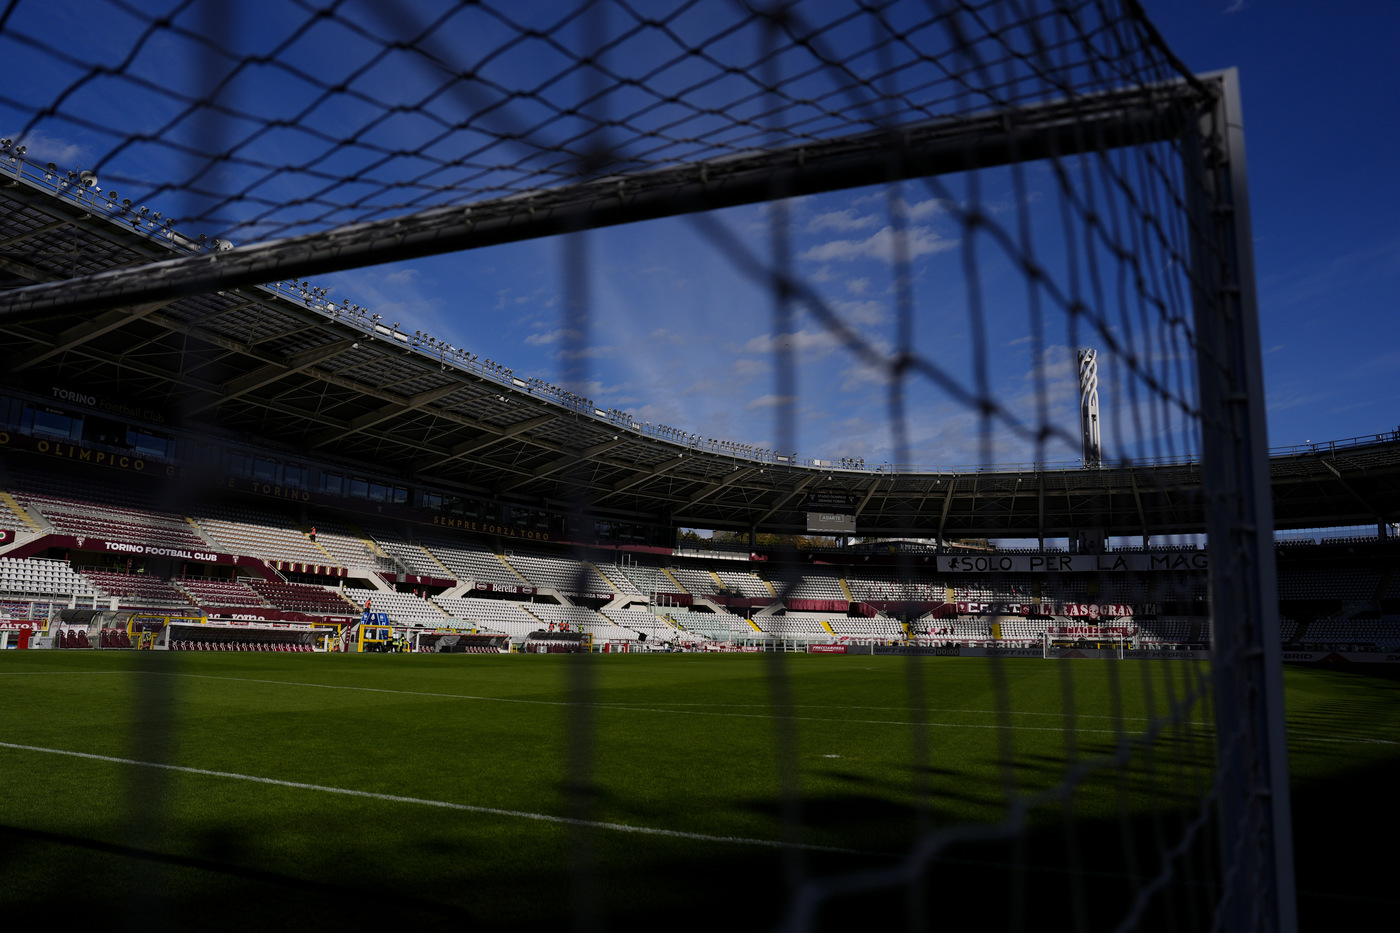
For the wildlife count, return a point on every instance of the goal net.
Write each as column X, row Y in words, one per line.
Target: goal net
column 1062, row 646
column 918, row 217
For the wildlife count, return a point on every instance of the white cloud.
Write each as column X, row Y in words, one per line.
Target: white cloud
column 747, row 368
column 401, row 277
column 45, row 148
column 843, row 221
column 919, row 241
column 553, row 336
column 770, row 401
column 807, row 343
column 863, row 312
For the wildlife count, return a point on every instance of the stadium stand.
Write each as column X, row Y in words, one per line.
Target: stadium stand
column 261, row 533
column 469, row 560
column 563, row 573
column 412, row 557
column 402, row 608
column 716, row 626
column 39, row 578
column 135, row 590
column 580, row 619
column 808, row 585
column 635, row 580
column 872, row 628
column 92, row 518
column 497, row 615
column 220, row 593
column 344, row 545
column 744, row 584
column 801, row 625
column 870, row 585
column 303, row 597
column 641, row 622
column 695, row 580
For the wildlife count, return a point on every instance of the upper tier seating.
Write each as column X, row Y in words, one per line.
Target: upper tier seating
column 808, row 585
column 1348, row 584
column 470, row 561
column 635, row 581
column 744, row 584
column 565, row 574
column 413, row 557
column 878, row 585
column 696, row 580
column 993, row 588
column 643, row 579
column 260, row 533
column 9, row 519
column 95, row 518
column 346, row 547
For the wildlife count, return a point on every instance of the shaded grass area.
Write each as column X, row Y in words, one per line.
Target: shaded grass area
column 884, row 750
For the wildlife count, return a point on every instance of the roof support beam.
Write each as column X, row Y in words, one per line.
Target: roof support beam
column 497, row 434
column 947, row 503
column 81, row 333
column 664, row 466
column 385, row 412
column 1142, row 515
column 1380, row 516
column 555, row 466
column 784, row 500
column 734, row 477
column 271, row 372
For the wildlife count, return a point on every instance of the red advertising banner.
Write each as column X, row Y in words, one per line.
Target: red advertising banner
column 818, row 605
column 826, row 649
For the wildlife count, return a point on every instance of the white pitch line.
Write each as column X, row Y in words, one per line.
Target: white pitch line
column 441, row 804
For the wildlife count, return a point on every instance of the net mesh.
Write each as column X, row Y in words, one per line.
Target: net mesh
column 1071, row 216
column 258, row 132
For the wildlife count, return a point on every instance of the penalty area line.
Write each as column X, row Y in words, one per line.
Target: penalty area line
column 444, row 804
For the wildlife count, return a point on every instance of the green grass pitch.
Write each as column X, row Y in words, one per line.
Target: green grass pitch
column 359, row 792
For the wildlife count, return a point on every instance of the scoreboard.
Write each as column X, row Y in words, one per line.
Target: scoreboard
column 831, row 513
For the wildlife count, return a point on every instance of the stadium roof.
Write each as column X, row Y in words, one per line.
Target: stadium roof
column 281, row 364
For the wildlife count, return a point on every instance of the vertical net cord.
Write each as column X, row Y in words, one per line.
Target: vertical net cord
column 582, row 724
column 786, row 742
column 156, row 697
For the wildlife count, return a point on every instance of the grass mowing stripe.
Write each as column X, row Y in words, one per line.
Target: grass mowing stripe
column 1334, row 739
column 446, row 804
column 635, row 709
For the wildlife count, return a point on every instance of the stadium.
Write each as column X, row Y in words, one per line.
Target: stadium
column 556, row 664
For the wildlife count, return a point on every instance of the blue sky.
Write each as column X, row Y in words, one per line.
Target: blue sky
column 678, row 336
